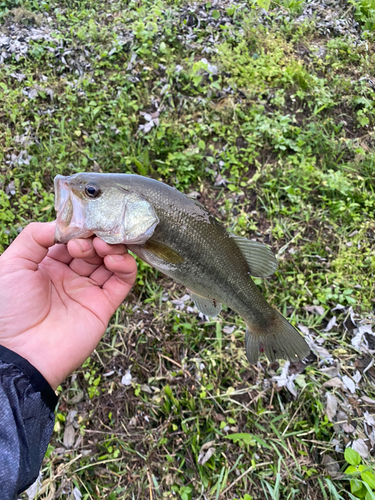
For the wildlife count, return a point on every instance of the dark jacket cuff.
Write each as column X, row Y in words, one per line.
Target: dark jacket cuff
column 36, row 379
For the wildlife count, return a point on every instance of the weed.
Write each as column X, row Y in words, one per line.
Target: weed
column 271, row 122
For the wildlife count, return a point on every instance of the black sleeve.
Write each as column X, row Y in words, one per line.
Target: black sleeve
column 27, row 405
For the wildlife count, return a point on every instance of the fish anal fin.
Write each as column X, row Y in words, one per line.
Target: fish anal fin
column 163, row 252
column 278, row 340
column 206, row 306
column 260, row 259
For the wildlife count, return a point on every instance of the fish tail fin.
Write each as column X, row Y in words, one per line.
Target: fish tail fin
column 278, row 340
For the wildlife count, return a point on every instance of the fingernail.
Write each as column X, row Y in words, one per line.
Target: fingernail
column 116, row 258
column 84, row 245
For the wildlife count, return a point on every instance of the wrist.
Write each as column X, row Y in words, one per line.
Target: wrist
column 36, row 379
column 37, row 359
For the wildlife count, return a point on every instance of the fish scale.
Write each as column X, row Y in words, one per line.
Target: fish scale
column 223, row 276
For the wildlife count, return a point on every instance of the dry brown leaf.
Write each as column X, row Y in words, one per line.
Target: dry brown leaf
column 331, row 324
column 205, row 456
column 69, row 435
column 319, row 310
column 331, row 406
column 368, row 400
column 334, row 382
column 361, row 447
column 348, row 428
column 331, row 371
column 331, row 465
column 349, row 383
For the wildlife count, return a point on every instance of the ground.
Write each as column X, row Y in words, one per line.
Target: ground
column 267, row 116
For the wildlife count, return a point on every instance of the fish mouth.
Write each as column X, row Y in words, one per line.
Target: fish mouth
column 70, row 218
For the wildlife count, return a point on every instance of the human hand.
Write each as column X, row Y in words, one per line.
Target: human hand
column 56, row 300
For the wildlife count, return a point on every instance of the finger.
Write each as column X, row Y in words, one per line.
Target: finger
column 60, row 252
column 119, row 285
column 32, row 244
column 82, row 249
column 102, row 248
column 85, row 267
column 101, row 275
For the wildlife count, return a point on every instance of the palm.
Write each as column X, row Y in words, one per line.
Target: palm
column 59, row 309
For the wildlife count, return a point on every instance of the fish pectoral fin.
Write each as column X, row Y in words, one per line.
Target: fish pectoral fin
column 259, row 258
column 278, row 340
column 163, row 252
column 206, row 306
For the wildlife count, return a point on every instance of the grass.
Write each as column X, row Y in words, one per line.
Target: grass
column 273, row 124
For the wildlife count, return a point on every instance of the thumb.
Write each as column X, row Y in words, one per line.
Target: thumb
column 31, row 245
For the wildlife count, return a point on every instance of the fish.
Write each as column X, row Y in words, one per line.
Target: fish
column 178, row 236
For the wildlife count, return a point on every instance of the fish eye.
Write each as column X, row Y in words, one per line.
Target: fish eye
column 92, row 190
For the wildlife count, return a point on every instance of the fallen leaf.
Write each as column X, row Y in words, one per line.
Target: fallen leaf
column 77, row 398
column 209, row 444
column 18, row 76
column 357, row 377
column 349, row 383
column 341, row 417
column 220, row 181
column 334, row 382
column 286, row 380
column 348, row 428
column 78, row 442
column 331, row 371
column 319, row 310
column 369, row 419
column 296, row 367
column 148, row 126
column 359, row 340
column 331, row 406
column 304, row 329
column 11, row 188
column 32, row 490
column 338, row 307
column 331, row 324
column 229, row 329
column 75, row 495
column 368, row 400
column 320, row 351
column 69, row 432
column 194, row 195
column 127, row 378
column 146, row 388
column 369, row 366
column 361, row 447
column 331, row 465
column 353, row 233
column 205, row 456
column 362, row 363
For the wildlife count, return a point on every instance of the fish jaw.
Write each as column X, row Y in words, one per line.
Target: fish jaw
column 70, row 213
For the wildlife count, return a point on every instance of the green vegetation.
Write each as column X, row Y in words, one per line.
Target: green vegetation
column 363, row 483
column 272, row 122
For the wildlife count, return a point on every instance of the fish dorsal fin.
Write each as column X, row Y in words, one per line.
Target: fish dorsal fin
column 163, row 252
column 260, row 259
column 206, row 306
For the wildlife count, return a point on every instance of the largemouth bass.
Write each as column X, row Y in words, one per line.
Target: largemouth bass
column 179, row 237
